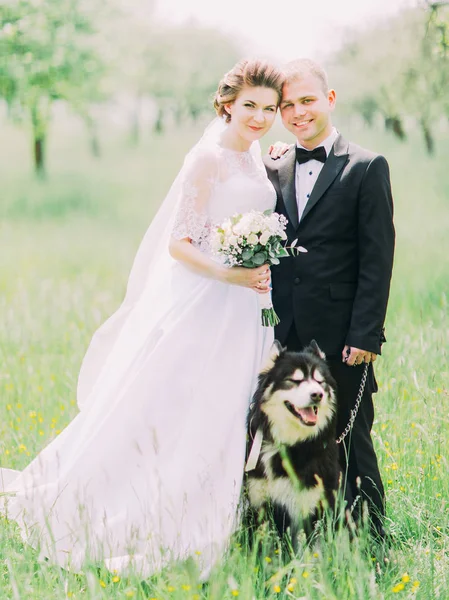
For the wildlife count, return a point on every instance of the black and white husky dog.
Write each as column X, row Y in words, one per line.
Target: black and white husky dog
column 292, row 457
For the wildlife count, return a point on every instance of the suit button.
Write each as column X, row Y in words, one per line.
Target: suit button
column 297, row 280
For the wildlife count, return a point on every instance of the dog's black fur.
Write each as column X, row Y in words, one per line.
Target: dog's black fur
column 297, row 472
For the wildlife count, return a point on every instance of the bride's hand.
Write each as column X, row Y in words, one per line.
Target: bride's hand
column 278, row 149
column 258, row 279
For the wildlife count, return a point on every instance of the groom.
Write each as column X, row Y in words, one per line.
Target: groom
column 337, row 198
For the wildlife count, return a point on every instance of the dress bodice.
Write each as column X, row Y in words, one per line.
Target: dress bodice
column 220, row 183
column 244, row 187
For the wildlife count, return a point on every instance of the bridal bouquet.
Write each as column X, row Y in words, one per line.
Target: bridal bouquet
column 251, row 240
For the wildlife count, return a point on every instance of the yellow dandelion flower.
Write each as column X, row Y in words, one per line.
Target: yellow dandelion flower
column 405, row 578
column 290, row 587
column 115, row 579
column 305, row 574
column 130, row 594
column 22, row 447
column 293, row 580
column 276, row 589
column 170, row 588
column 415, row 584
column 69, row 594
column 196, row 597
column 6, row 451
column 186, row 587
column 235, row 593
column 394, row 466
column 315, row 555
column 102, row 583
column 267, row 559
column 19, row 405
column 32, row 414
column 398, row 588
column 389, row 481
column 8, row 407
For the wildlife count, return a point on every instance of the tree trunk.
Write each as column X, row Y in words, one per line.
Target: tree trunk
column 394, row 124
column 428, row 137
column 39, row 156
column 39, row 138
column 93, row 136
column 159, row 124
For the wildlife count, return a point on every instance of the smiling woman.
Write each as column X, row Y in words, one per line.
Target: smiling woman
column 248, row 97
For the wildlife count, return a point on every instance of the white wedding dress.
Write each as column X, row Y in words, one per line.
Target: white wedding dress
column 151, row 468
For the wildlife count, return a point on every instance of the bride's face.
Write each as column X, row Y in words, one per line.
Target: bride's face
column 253, row 112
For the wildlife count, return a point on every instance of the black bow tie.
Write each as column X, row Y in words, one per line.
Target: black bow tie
column 303, row 156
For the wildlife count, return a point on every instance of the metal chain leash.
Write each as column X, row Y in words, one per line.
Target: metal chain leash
column 355, row 410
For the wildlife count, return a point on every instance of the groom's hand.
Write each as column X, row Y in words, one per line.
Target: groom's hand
column 278, row 149
column 355, row 356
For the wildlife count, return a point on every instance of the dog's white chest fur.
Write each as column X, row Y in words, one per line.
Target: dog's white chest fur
column 300, row 502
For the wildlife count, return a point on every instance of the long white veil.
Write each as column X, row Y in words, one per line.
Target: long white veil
column 119, row 340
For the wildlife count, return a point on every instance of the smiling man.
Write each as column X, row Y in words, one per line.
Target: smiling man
column 337, row 198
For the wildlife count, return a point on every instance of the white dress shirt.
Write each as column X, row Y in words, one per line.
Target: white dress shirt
column 307, row 173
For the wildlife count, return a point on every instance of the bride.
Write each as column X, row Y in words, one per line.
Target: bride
column 150, row 469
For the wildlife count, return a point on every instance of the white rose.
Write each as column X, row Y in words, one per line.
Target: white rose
column 265, row 237
column 253, row 239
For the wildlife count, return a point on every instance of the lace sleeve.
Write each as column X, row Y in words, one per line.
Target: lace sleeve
column 192, row 215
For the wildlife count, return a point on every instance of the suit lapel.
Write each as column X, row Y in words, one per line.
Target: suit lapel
column 286, row 172
column 332, row 167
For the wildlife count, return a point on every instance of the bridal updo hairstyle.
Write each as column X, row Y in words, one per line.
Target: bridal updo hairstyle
column 251, row 73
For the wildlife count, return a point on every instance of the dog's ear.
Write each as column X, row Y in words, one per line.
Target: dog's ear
column 275, row 351
column 315, row 349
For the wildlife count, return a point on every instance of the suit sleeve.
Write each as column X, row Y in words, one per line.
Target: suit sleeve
column 376, row 238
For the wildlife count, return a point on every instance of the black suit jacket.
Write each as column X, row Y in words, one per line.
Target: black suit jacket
column 337, row 293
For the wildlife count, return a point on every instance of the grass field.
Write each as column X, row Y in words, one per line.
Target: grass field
column 66, row 246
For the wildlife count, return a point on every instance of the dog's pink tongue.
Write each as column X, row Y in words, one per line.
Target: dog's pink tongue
column 308, row 415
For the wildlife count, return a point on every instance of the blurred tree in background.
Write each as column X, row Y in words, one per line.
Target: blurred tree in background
column 399, row 70
column 47, row 55
column 83, row 53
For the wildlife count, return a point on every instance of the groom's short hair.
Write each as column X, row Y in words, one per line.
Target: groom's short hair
column 299, row 68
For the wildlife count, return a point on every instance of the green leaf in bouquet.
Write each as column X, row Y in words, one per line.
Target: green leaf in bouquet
column 301, row 249
column 249, row 264
column 268, row 212
column 247, row 253
column 282, row 252
column 274, row 261
column 293, row 244
column 257, row 247
column 260, row 258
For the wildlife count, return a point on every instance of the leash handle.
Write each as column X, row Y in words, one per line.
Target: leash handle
column 355, row 410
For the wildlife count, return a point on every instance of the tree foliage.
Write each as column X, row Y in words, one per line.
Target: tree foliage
column 399, row 69
column 48, row 55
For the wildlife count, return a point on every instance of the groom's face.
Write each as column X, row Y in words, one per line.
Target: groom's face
column 306, row 110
